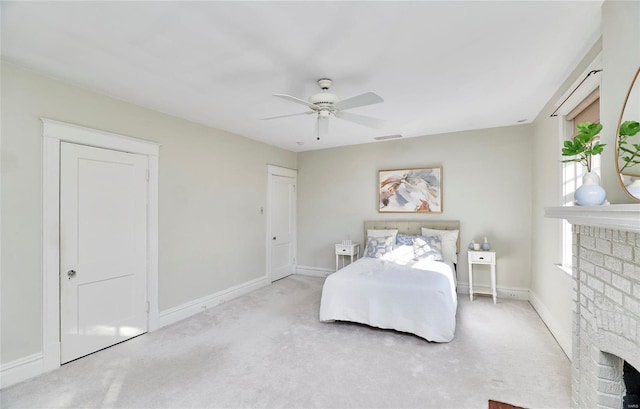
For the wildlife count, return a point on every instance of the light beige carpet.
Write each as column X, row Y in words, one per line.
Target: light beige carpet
column 268, row 350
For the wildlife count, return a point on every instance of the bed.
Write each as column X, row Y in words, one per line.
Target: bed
column 395, row 290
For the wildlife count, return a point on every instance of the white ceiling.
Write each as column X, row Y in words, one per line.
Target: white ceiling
column 440, row 66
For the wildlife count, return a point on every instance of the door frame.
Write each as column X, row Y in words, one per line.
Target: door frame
column 273, row 170
column 55, row 132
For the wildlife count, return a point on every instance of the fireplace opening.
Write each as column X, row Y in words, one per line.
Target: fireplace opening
column 631, row 377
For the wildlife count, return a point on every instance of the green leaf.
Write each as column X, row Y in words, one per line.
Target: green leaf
column 598, row 148
column 583, row 138
column 589, row 128
column 629, row 128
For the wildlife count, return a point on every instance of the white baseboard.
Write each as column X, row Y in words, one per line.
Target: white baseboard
column 20, row 370
column 314, row 271
column 561, row 335
column 34, row 365
column 196, row 306
column 521, row 294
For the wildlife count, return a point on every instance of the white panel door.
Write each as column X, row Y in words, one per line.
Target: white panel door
column 103, row 264
column 282, row 226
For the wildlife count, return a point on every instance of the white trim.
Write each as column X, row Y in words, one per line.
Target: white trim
column 188, row 309
column 561, row 335
column 292, row 173
column 152, row 243
column 565, row 269
column 505, row 293
column 95, row 137
column 314, row 271
column 619, row 217
column 20, row 370
column 50, row 253
column 510, row 293
column 55, row 132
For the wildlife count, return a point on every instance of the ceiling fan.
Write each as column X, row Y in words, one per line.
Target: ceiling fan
column 326, row 105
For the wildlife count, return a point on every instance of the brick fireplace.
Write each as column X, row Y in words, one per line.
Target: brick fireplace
column 606, row 321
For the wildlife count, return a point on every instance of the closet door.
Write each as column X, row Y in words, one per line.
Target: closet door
column 282, row 216
column 103, row 223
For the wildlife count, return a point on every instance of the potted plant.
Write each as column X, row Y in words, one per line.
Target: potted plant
column 581, row 148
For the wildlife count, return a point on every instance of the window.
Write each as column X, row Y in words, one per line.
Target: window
column 580, row 103
column 586, row 111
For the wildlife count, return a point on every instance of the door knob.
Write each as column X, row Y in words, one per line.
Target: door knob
column 71, row 273
column 274, row 237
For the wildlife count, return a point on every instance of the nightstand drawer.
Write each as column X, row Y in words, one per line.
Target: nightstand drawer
column 345, row 249
column 480, row 257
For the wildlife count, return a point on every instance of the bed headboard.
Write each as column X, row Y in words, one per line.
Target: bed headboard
column 413, row 226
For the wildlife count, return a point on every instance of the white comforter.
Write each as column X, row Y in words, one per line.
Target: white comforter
column 416, row 296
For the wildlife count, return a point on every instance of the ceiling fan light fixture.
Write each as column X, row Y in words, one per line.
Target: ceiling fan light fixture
column 323, row 98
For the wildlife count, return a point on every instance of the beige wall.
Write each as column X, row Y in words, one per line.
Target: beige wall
column 212, row 185
column 487, row 185
column 551, row 288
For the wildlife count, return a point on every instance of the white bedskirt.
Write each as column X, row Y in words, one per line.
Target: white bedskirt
column 418, row 297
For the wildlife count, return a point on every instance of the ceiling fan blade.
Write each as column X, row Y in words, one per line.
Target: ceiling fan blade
column 361, row 119
column 322, row 127
column 368, row 98
column 297, row 100
column 285, row 116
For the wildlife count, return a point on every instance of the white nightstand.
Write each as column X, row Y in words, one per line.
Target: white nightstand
column 486, row 258
column 347, row 250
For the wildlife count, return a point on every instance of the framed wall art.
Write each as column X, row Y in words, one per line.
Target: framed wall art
column 417, row 190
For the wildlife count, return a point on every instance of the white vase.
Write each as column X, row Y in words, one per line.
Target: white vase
column 590, row 193
column 634, row 188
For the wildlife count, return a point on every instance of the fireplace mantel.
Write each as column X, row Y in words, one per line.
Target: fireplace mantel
column 624, row 217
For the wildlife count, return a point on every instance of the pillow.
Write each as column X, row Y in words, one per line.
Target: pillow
column 400, row 255
column 449, row 240
column 383, row 233
column 427, row 248
column 377, row 247
column 404, row 240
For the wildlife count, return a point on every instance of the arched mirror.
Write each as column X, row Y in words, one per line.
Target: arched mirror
column 628, row 141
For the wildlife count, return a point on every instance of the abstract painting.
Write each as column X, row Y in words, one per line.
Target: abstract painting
column 410, row 190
